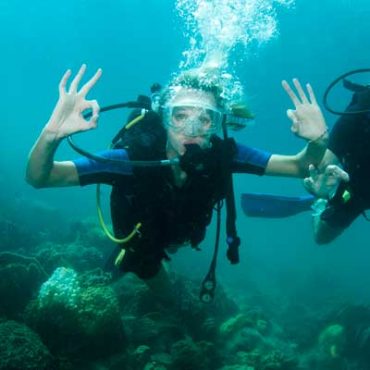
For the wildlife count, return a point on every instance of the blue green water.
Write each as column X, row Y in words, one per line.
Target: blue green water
column 138, row 42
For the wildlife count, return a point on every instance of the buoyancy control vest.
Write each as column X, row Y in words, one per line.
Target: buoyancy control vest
column 170, row 215
column 349, row 141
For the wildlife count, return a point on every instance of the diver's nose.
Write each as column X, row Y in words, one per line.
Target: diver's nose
column 191, row 128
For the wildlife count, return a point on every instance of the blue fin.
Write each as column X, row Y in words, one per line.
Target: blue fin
column 274, row 206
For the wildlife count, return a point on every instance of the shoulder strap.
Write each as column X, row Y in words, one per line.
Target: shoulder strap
column 145, row 140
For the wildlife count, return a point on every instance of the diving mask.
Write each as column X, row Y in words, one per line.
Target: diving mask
column 194, row 119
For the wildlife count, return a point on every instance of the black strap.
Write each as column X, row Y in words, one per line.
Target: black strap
column 209, row 283
column 233, row 241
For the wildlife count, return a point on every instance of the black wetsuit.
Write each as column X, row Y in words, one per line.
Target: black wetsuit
column 170, row 215
column 350, row 142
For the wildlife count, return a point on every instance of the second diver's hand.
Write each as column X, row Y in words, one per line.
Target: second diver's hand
column 307, row 119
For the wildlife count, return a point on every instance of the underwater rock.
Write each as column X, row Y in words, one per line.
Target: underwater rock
column 75, row 255
column 251, row 318
column 99, row 315
column 317, row 360
column 239, row 334
column 332, row 340
column 356, row 321
column 153, row 365
column 142, row 354
column 89, row 233
column 201, row 320
column 188, row 355
column 144, row 330
column 157, row 329
column 162, row 358
column 233, row 324
column 171, row 317
column 188, row 302
column 21, row 348
column 262, row 326
column 78, row 321
column 51, row 256
column 237, row 367
column 264, row 359
column 243, row 360
column 209, row 328
column 246, row 340
column 277, row 360
column 143, row 358
column 118, row 361
column 344, row 344
column 20, row 278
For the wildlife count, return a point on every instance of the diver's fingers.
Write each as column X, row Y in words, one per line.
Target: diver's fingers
column 89, row 84
column 91, row 105
column 311, row 94
column 95, row 107
column 337, row 172
column 314, row 172
column 93, row 122
column 344, row 176
column 330, row 170
column 291, row 93
column 309, row 184
column 74, row 84
column 301, row 93
column 291, row 115
column 63, row 82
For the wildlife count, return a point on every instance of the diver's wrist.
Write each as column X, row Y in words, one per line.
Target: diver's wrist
column 322, row 139
column 319, row 206
column 50, row 136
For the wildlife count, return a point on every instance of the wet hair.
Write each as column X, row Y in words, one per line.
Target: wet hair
column 207, row 80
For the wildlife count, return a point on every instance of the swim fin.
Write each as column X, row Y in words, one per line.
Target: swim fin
column 274, row 206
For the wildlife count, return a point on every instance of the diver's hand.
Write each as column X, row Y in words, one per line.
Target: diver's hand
column 67, row 117
column 323, row 184
column 307, row 119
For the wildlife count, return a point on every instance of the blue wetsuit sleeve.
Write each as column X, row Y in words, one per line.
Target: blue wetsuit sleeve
column 95, row 172
column 250, row 160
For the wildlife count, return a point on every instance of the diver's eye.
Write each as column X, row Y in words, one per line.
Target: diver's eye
column 180, row 116
column 205, row 120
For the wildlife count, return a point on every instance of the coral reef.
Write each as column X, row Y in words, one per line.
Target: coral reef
column 332, row 340
column 76, row 320
column 22, row 349
column 80, row 257
column 72, row 315
column 20, row 278
column 188, row 355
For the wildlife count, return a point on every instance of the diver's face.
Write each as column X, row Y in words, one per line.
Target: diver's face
column 191, row 117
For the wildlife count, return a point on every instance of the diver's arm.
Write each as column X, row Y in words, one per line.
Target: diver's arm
column 297, row 165
column 66, row 119
column 42, row 171
column 324, row 233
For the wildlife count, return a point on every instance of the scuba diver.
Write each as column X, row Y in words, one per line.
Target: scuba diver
column 171, row 168
column 341, row 182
